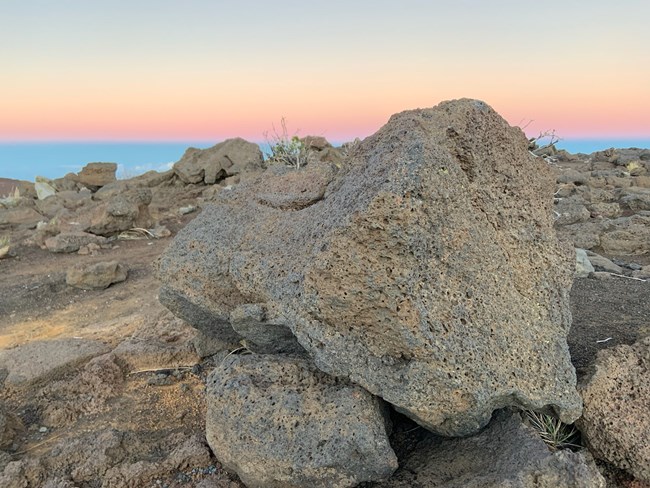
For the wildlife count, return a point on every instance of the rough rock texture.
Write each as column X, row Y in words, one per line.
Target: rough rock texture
column 21, row 216
column 429, row 272
column 107, row 459
column 44, row 360
column 10, row 426
column 95, row 175
column 124, row 211
column 627, row 235
column 164, row 342
column 506, row 454
column 279, row 422
column 227, row 158
column 72, row 241
column 616, row 419
column 96, row 276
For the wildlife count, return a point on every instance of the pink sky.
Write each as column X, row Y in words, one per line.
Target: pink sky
column 200, row 70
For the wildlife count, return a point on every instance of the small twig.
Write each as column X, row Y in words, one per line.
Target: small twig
column 135, row 233
column 158, row 370
column 235, row 351
column 628, row 277
column 49, row 439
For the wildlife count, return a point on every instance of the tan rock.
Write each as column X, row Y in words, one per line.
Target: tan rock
column 95, row 175
column 277, row 421
column 96, row 276
column 227, row 158
column 616, row 417
column 19, row 217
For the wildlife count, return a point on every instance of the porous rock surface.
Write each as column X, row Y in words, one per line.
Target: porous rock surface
column 506, row 454
column 277, row 421
column 428, row 272
column 616, row 418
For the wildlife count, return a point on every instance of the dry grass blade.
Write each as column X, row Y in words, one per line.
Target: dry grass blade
column 555, row 433
column 135, row 233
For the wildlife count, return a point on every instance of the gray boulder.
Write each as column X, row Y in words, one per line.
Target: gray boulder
column 227, row 158
column 506, row 454
column 428, row 273
column 277, row 421
column 96, row 276
column 616, row 419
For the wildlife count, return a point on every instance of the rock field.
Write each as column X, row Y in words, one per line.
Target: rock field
column 397, row 312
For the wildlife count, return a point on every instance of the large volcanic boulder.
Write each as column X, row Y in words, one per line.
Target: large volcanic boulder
column 428, row 272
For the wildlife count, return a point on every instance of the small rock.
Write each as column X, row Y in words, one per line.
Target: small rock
column 601, row 263
column 583, row 266
column 187, row 210
column 96, row 276
column 642, row 274
column 601, row 275
column 160, row 231
column 43, row 188
column 42, row 430
column 67, row 242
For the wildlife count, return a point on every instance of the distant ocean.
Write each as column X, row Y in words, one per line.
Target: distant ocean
column 24, row 161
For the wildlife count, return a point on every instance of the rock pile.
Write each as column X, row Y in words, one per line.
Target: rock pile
column 67, row 210
column 424, row 270
column 603, row 200
column 412, row 278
